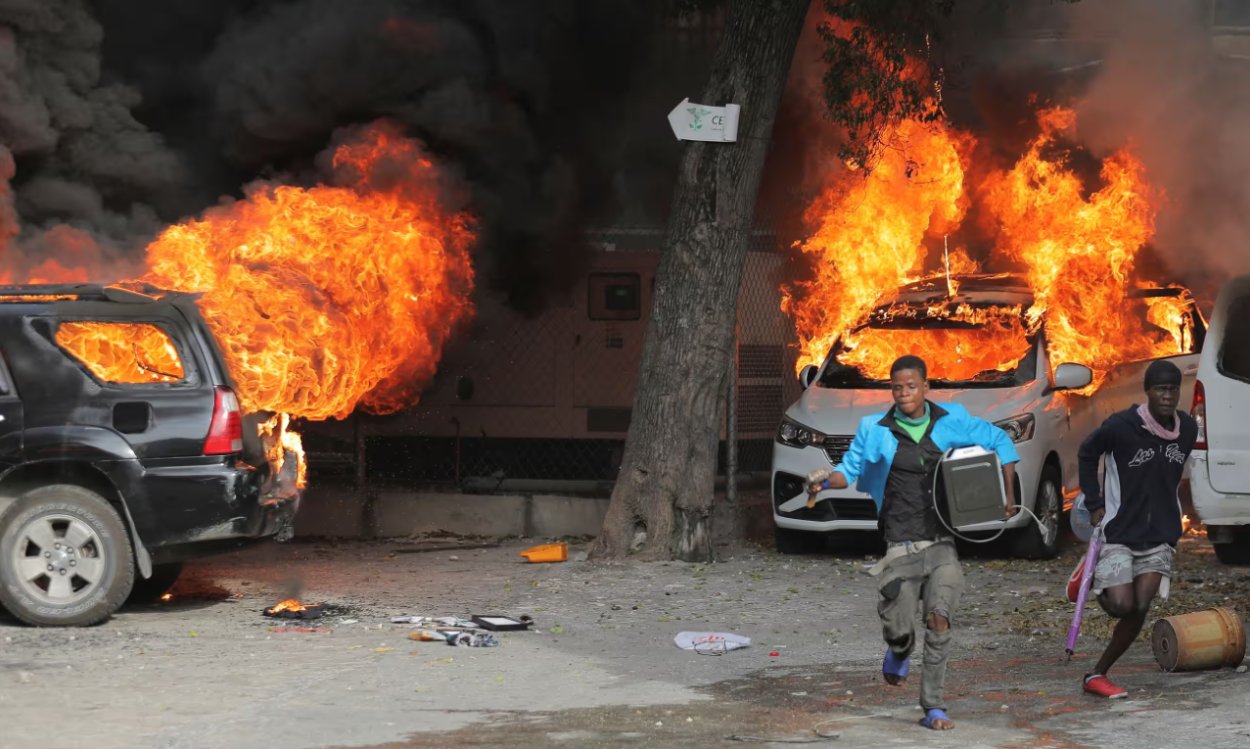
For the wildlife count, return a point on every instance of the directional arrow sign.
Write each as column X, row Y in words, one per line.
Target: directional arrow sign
column 702, row 122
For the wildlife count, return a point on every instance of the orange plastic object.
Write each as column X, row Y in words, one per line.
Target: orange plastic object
column 557, row 552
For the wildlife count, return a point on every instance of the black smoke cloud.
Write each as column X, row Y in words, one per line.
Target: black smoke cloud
column 1177, row 88
column 519, row 98
column 79, row 159
column 1168, row 79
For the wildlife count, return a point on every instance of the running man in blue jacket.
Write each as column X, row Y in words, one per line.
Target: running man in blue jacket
column 894, row 457
column 1143, row 450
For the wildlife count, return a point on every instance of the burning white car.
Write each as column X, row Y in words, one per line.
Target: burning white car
column 987, row 347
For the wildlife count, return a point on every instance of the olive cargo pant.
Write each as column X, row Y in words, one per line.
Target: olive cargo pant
column 931, row 576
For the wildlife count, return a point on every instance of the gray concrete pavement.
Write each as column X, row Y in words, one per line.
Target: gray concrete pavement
column 207, row 670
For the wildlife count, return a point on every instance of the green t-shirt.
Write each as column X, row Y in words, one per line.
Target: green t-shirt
column 915, row 429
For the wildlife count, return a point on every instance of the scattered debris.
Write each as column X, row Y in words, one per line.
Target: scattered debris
column 427, row 635
column 472, row 639
column 818, row 738
column 501, row 623
column 435, row 621
column 557, row 552
column 711, row 643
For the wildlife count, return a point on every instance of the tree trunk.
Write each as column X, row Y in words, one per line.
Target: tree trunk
column 661, row 506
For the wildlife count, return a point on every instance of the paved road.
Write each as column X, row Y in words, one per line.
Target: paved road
column 207, row 670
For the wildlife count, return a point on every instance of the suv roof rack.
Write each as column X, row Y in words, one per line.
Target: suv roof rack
column 130, row 292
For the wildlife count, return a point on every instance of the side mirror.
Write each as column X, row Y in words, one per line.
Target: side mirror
column 807, row 375
column 1069, row 376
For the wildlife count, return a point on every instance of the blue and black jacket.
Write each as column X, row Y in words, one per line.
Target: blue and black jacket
column 868, row 459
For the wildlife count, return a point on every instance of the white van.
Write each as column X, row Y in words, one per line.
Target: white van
column 1030, row 400
column 1219, row 468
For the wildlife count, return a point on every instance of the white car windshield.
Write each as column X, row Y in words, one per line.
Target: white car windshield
column 964, row 346
column 994, row 342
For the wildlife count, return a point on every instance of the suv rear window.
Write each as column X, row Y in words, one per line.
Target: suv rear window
column 122, row 352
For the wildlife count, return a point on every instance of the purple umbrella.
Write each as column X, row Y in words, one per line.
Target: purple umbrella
column 1087, row 577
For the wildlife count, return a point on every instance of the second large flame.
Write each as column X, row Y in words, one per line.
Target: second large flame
column 1076, row 248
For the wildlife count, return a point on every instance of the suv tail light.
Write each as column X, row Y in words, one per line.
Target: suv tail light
column 1199, row 412
column 225, row 433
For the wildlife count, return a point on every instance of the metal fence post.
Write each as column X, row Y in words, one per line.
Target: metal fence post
column 731, row 430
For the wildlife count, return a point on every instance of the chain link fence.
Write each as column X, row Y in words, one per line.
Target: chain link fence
column 543, row 404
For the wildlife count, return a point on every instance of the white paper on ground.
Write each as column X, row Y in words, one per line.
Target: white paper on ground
column 711, row 642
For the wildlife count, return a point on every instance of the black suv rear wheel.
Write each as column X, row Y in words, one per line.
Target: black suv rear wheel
column 65, row 557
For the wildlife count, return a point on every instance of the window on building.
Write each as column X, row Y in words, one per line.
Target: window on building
column 615, row 296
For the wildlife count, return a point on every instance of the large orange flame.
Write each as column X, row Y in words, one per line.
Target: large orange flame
column 870, row 232
column 996, row 343
column 1077, row 250
column 324, row 299
column 330, row 297
column 122, row 352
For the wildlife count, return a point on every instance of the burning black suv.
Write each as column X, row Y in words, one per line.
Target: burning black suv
column 123, row 451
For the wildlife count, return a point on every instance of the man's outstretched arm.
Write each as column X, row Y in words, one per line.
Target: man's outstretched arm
column 822, row 479
column 845, row 472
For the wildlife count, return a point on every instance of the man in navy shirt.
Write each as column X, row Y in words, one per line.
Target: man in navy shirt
column 1143, row 449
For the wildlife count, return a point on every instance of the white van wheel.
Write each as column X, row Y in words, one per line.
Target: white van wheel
column 1041, row 540
column 1236, row 551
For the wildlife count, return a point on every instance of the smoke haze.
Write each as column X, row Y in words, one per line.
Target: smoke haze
column 123, row 116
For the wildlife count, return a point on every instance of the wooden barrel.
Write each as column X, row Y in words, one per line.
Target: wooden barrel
column 1214, row 638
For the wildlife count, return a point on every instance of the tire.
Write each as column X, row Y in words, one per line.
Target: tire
column 797, row 542
column 77, row 534
column 150, row 590
column 1034, row 542
column 1233, row 552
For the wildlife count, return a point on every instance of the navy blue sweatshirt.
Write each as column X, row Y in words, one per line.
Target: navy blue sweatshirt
column 1141, row 474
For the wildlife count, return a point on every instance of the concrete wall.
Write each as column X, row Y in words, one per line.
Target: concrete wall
column 340, row 511
column 344, row 512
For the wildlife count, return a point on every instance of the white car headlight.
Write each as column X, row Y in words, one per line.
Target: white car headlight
column 795, row 434
column 1018, row 428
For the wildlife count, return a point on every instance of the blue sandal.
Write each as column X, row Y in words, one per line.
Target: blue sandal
column 931, row 716
column 895, row 666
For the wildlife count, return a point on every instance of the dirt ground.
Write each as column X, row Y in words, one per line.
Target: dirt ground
column 599, row 667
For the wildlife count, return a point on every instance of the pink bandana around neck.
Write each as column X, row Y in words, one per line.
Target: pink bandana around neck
column 1155, row 428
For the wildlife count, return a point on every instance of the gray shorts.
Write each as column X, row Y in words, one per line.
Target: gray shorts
column 1119, row 565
